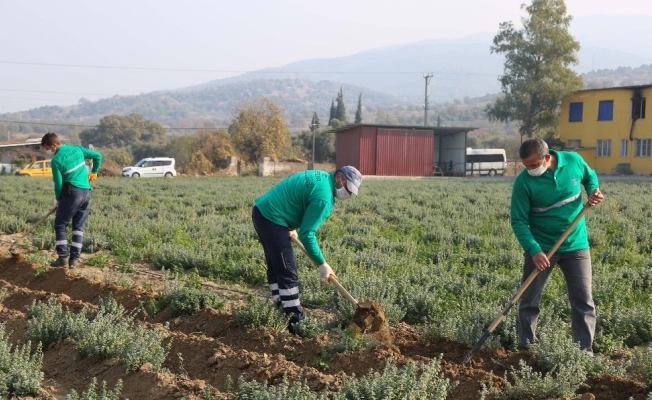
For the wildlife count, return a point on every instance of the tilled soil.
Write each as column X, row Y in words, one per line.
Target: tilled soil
column 208, row 347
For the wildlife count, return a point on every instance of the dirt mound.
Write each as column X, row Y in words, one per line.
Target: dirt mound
column 208, row 348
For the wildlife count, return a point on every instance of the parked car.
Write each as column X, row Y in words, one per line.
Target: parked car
column 151, row 167
column 41, row 168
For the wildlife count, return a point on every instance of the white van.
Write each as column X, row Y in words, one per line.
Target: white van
column 151, row 168
column 485, row 162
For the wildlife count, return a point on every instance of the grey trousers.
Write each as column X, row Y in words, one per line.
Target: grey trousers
column 576, row 267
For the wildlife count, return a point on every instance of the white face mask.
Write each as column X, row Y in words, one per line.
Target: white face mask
column 538, row 171
column 342, row 193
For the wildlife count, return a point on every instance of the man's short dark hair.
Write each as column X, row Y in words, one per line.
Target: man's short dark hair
column 49, row 139
column 533, row 146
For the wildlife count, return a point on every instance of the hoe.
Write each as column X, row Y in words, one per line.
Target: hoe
column 524, row 286
column 16, row 254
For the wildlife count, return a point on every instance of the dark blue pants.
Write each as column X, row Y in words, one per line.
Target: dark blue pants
column 74, row 206
column 281, row 266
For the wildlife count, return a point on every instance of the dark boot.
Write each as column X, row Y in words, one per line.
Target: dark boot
column 74, row 262
column 59, row 262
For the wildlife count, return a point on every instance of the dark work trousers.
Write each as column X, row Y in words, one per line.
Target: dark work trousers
column 74, row 206
column 281, row 266
column 576, row 267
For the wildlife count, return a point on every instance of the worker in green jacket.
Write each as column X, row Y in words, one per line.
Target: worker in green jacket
column 303, row 201
column 72, row 191
column 546, row 198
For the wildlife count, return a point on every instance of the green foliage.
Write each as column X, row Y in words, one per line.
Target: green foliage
column 188, row 301
column 556, row 348
column 297, row 390
column 20, row 370
column 50, row 322
column 564, row 382
column 349, row 340
column 260, row 313
column 411, row 382
column 110, row 331
column 308, row 327
column 537, row 67
column 643, row 364
column 117, row 131
column 259, row 130
column 92, row 393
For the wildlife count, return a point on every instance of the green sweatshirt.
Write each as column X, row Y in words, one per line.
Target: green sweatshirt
column 303, row 201
column 544, row 206
column 68, row 166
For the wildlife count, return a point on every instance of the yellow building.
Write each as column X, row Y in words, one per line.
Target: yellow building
column 609, row 128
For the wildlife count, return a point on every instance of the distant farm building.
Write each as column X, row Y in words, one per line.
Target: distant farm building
column 395, row 150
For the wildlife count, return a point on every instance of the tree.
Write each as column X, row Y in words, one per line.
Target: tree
column 340, row 109
column 259, row 130
column 216, row 146
column 117, row 131
column 333, row 113
column 358, row 112
column 537, row 74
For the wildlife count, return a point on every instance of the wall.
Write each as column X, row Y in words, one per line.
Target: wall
column 267, row 167
column 590, row 130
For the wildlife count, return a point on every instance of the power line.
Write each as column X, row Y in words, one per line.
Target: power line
column 239, row 71
column 96, row 126
column 47, row 91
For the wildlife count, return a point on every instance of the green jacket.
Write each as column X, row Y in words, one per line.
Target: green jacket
column 544, row 206
column 303, row 201
column 68, row 166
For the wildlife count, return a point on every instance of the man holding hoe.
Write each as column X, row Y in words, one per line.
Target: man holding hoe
column 303, row 201
column 546, row 198
column 72, row 191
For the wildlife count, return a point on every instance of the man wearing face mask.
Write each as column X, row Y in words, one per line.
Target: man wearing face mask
column 546, row 198
column 72, row 191
column 303, row 201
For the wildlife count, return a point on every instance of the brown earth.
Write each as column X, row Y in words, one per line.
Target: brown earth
column 208, row 347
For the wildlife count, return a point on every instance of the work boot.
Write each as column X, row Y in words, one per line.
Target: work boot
column 74, row 262
column 59, row 262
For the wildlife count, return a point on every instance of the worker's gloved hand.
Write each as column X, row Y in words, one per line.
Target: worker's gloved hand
column 56, row 203
column 293, row 234
column 325, row 271
column 92, row 177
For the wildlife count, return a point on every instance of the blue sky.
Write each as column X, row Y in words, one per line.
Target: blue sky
column 222, row 38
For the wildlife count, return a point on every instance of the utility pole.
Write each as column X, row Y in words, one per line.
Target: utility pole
column 427, row 77
column 313, row 128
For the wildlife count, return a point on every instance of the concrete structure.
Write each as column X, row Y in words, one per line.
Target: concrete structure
column 609, row 128
column 268, row 167
column 399, row 150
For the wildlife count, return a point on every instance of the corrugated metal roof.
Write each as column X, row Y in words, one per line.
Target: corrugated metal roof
column 438, row 130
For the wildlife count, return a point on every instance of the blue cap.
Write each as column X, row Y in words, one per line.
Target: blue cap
column 353, row 178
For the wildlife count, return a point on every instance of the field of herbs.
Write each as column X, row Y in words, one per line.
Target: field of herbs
column 438, row 254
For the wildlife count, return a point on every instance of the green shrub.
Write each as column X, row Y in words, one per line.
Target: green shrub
column 107, row 332
column 92, row 393
column 260, row 313
column 528, row 384
column 50, row 323
column 298, row 390
column 20, row 371
column 188, row 301
column 643, row 364
column 349, row 340
column 308, row 327
column 411, row 382
column 556, row 348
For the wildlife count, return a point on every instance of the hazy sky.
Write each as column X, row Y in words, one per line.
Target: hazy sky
column 222, row 38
